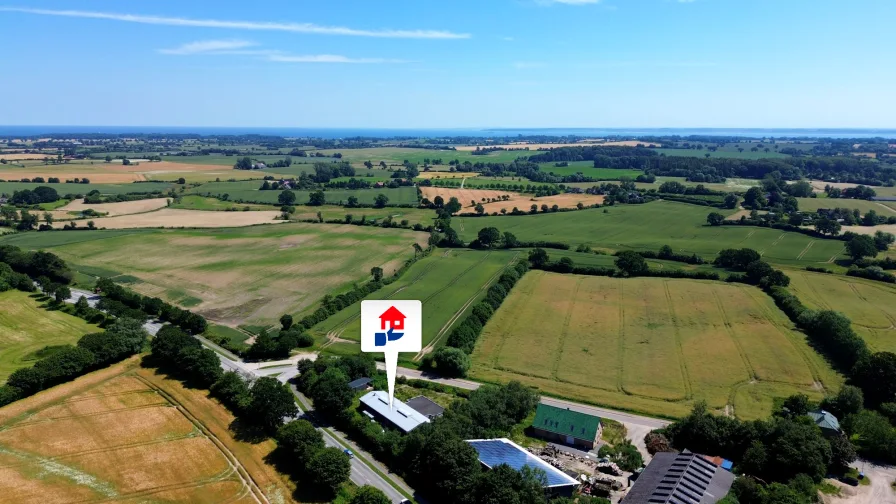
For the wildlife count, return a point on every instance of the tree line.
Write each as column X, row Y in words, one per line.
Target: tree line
column 151, row 307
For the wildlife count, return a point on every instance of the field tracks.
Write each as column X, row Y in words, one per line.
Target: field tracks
column 683, row 366
column 801, row 254
column 558, row 358
column 251, row 486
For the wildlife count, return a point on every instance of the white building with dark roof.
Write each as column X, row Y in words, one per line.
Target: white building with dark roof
column 400, row 416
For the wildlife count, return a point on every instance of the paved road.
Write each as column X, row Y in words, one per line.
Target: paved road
column 152, row 327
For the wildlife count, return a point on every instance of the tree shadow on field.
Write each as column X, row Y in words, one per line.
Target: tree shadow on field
column 248, row 432
column 150, row 362
column 284, row 462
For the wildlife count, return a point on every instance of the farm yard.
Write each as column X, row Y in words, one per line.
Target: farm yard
column 235, row 276
column 652, row 225
column 870, row 305
column 448, row 282
column 26, row 329
column 650, row 345
column 122, row 434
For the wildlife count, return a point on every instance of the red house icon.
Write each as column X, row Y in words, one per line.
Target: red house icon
column 394, row 317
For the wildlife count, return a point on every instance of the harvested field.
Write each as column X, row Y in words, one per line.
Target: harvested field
column 448, row 282
column 648, row 344
column 174, row 218
column 114, row 209
column 237, row 275
column 863, row 206
column 870, row 230
column 523, row 203
column 18, row 156
column 25, row 328
column 465, row 196
column 96, row 178
column 870, row 305
column 445, row 175
column 125, row 451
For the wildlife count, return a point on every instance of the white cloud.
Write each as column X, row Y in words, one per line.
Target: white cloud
column 210, row 47
column 246, row 25
column 328, row 58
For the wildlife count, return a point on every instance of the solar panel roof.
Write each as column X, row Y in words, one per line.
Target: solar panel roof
column 493, row 452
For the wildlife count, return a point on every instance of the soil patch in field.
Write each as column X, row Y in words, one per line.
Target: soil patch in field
column 174, row 218
column 870, row 230
column 115, row 209
column 523, row 203
column 465, row 196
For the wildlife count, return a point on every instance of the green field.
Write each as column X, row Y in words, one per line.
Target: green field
column 883, row 208
column 870, row 305
column 229, row 161
column 649, row 344
column 652, row 225
column 25, row 328
column 249, row 192
column 730, row 185
column 63, row 189
column 398, row 155
column 193, row 202
column 587, row 169
column 237, row 275
column 728, row 151
column 609, row 261
column 448, row 282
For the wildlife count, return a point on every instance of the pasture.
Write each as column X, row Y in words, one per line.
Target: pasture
column 123, row 434
column 448, row 282
column 727, row 151
column 26, row 328
column 175, row 218
column 239, row 276
column 587, row 169
column 63, row 189
column 652, row 225
column 649, row 344
column 870, row 305
column 249, row 192
column 730, row 185
column 883, row 208
column 193, row 202
column 398, row 155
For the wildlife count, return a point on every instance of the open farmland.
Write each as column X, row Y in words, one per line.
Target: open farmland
column 870, row 305
column 249, row 192
column 63, row 189
column 122, row 434
column 398, row 155
column 863, row 206
column 587, row 169
column 176, row 218
column 652, row 225
column 235, row 275
column 26, row 328
column 648, row 344
column 448, row 282
column 727, row 151
column 114, row 209
column 730, row 185
column 516, row 200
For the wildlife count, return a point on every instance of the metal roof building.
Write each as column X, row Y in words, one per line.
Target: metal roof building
column 493, row 452
column 401, row 416
column 680, row 478
column 563, row 425
column 825, row 421
column 426, row 406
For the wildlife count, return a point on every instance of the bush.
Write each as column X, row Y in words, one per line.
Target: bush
column 451, row 362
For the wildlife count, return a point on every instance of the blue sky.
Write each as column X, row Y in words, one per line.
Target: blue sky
column 459, row 63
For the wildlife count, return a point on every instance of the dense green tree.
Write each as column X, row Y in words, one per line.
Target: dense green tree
column 538, row 257
column 27, row 380
column 377, row 273
column 62, row 293
column 827, row 226
column 285, row 322
column 883, row 240
column 715, row 219
column 352, row 202
column 631, row 263
column 452, row 362
column 860, row 246
column 754, row 198
column 380, row 201
column 369, row 495
column 329, row 468
column 453, row 206
column 331, row 392
column 301, row 439
column 797, row 405
column 233, row 391
column 489, row 237
column 731, row 201
column 799, row 189
column 286, row 197
column 317, row 198
column 269, row 403
column 873, row 434
column 131, row 331
column 849, row 400
column 504, row 485
column 876, row 376
column 64, row 364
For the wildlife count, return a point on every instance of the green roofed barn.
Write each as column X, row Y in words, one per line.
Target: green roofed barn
column 566, row 426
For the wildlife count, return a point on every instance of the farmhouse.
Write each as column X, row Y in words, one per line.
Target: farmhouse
column 680, row 478
column 825, row 421
column 400, row 416
column 360, row 384
column 493, row 452
column 426, row 407
column 563, row 425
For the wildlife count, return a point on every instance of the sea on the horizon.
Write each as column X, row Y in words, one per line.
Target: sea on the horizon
column 12, row 131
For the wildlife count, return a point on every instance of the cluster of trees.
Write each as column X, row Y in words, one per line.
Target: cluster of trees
column 63, row 363
column 10, row 279
column 36, row 196
column 310, row 460
column 434, row 457
column 289, row 336
column 152, row 307
column 628, row 264
column 667, row 254
column 858, row 192
column 755, row 270
column 465, row 334
column 36, row 264
column 782, row 458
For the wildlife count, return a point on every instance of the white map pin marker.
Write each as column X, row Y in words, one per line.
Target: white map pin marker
column 390, row 327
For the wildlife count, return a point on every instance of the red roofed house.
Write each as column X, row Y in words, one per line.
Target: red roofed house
column 394, row 317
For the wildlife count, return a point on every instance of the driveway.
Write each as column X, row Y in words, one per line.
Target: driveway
column 878, row 492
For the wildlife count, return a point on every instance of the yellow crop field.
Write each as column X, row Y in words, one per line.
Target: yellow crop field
column 649, row 344
column 123, row 434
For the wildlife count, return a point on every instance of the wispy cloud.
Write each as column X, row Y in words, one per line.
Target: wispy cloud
column 523, row 65
column 507, row 39
column 329, row 58
column 246, row 25
column 210, row 47
column 567, row 2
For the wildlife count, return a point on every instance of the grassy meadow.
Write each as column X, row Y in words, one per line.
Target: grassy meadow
column 448, row 282
column 648, row 344
column 63, row 189
column 234, row 276
column 398, row 155
column 249, row 191
column 883, row 208
column 870, row 305
column 26, row 328
column 124, row 432
column 587, row 169
column 652, row 225
column 727, row 151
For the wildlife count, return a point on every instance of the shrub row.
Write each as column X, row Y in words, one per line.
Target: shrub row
column 10, row 279
column 36, row 264
column 563, row 266
column 93, row 351
column 872, row 273
column 784, row 227
column 818, row 270
column 665, row 253
column 386, row 223
column 465, row 334
column 692, row 201
column 150, row 307
column 887, row 263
